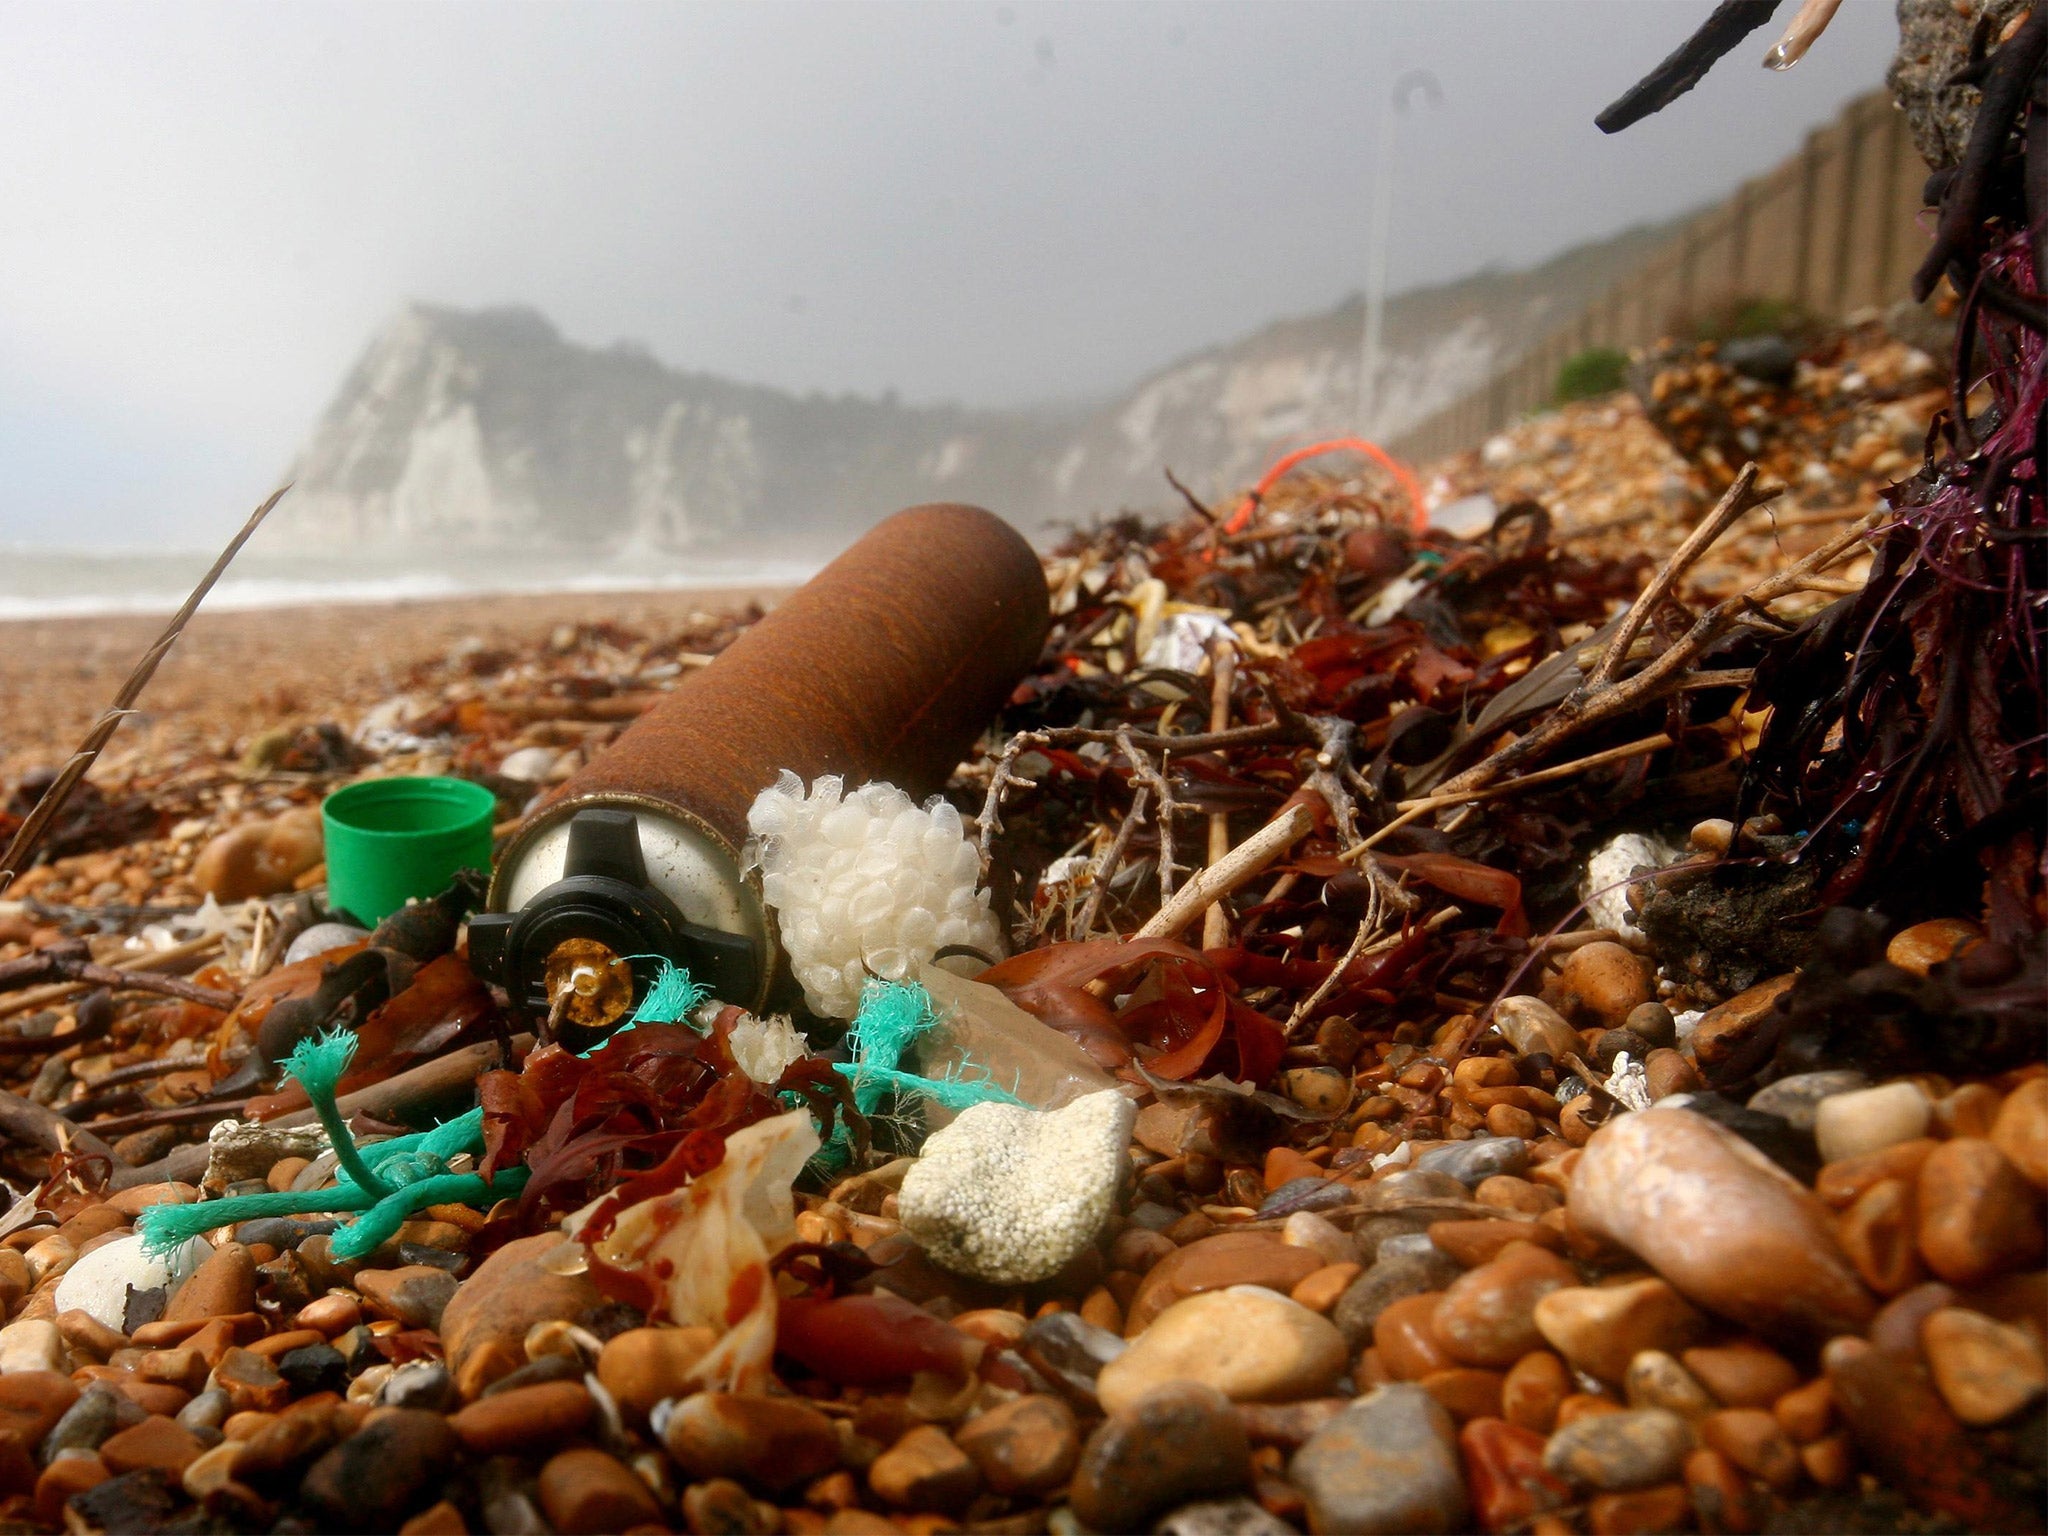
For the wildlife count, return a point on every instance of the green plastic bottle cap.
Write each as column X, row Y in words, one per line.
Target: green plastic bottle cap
column 391, row 840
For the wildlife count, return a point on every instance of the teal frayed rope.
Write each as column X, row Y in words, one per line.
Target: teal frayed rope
column 893, row 1017
column 388, row 1182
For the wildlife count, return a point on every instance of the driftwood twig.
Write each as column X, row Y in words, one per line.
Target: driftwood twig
column 32, row 831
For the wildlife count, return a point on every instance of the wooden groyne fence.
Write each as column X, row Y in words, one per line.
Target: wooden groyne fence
column 1831, row 231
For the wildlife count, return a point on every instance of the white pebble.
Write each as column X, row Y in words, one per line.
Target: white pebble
column 31, row 1345
column 1869, row 1120
column 98, row 1283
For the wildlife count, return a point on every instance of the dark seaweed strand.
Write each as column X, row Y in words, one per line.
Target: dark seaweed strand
column 2008, row 83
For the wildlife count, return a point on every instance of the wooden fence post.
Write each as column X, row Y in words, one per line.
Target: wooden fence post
column 1809, row 189
column 1845, row 232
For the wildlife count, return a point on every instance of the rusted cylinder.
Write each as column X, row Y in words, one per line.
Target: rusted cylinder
column 885, row 666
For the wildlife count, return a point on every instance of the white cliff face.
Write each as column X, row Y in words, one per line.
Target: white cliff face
column 489, row 429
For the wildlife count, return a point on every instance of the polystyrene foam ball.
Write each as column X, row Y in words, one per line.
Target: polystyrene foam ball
column 864, row 881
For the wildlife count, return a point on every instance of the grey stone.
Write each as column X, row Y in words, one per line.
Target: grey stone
column 1796, row 1099
column 1654, row 1022
column 1386, row 1283
column 89, row 1421
column 1153, row 1216
column 536, row 1373
column 1767, row 359
column 318, row 1368
column 1408, row 1245
column 1068, row 1343
column 1387, row 1463
column 1372, row 1232
column 376, row 1477
column 1473, row 1162
column 1179, row 1442
column 281, row 1232
column 1422, row 1184
column 1308, row 1194
column 1222, row 1517
column 320, row 938
column 1618, row 1451
column 423, row 1384
column 135, row 1501
column 209, row 1410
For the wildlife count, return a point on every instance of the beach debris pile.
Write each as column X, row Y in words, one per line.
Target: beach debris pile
column 1833, row 416
column 1340, row 1057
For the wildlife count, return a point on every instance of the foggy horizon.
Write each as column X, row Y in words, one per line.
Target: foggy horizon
column 214, row 207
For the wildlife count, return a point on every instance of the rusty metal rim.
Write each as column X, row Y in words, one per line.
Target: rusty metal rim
column 549, row 816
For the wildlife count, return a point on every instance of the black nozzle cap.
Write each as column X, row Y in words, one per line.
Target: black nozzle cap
column 604, row 896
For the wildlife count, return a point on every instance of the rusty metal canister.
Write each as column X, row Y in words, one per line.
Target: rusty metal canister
column 885, row 666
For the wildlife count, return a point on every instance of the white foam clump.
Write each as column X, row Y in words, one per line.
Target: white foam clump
column 766, row 1048
column 865, row 882
column 1009, row 1194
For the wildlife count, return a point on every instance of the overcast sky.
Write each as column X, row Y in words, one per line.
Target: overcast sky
column 207, row 209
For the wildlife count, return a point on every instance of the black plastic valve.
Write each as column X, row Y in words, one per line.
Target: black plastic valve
column 605, row 897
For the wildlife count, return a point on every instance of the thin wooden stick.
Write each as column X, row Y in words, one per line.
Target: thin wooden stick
column 1143, row 772
column 1106, row 868
column 32, row 998
column 1637, row 748
column 1412, row 809
column 392, row 1100
column 1737, row 500
column 24, row 1120
column 1255, row 854
column 32, row 831
column 1666, row 673
column 1216, row 921
column 1367, row 925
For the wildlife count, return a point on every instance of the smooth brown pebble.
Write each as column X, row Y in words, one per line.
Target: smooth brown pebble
column 1923, row 946
column 925, row 1471
column 1534, row 1387
column 1322, row 1290
column 1754, row 1441
column 1718, row 1220
column 1023, row 1447
column 332, row 1315
column 1466, row 1392
column 1249, row 1343
column 223, row 1285
column 1881, row 1235
column 642, row 1366
column 156, row 1442
column 1487, row 1315
column 588, row 1493
column 1215, row 1263
column 1743, row 1373
column 1985, row 1370
column 1599, row 1329
column 1978, row 1216
column 1666, row 1508
column 1180, row 1442
column 523, row 1418
column 1603, row 982
column 1405, row 1339
column 1807, row 1412
column 769, row 1441
column 2021, row 1130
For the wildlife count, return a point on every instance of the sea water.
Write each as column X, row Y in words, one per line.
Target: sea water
column 43, row 583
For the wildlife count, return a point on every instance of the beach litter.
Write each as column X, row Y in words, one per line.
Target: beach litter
column 1337, row 1041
